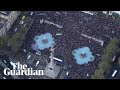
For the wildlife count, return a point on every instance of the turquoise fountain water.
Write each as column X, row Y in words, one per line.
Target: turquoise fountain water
column 44, row 41
column 83, row 55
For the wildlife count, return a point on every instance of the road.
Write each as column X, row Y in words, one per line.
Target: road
column 16, row 23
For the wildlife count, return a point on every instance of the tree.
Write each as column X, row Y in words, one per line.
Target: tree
column 119, row 61
column 17, row 40
column 27, row 20
column 98, row 74
column 3, row 41
column 105, row 63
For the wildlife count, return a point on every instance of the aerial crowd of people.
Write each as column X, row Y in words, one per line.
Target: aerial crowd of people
column 75, row 23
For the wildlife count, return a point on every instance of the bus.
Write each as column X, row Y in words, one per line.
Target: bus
column 23, row 17
column 57, row 59
column 21, row 22
column 28, row 57
column 114, row 73
column 31, row 13
column 58, row 34
column 58, row 62
column 88, row 12
column 113, row 58
column 37, row 63
column 15, row 29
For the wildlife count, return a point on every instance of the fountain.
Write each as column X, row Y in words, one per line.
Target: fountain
column 83, row 55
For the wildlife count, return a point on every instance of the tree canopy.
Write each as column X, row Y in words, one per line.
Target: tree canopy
column 105, row 63
column 17, row 39
column 119, row 61
column 3, row 41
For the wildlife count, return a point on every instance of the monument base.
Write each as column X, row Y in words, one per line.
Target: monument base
column 52, row 72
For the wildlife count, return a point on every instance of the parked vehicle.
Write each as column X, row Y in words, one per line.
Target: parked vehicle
column 16, row 29
column 31, row 13
column 29, row 56
column 114, row 73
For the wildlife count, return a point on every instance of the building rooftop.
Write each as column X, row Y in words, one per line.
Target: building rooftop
column 1, row 25
column 2, row 22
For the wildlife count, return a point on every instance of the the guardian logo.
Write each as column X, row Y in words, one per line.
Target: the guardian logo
column 22, row 70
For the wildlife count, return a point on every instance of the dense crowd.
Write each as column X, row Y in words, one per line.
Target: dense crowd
column 75, row 23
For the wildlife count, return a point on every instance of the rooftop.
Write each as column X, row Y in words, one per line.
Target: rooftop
column 2, row 22
column 6, row 13
column 1, row 25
